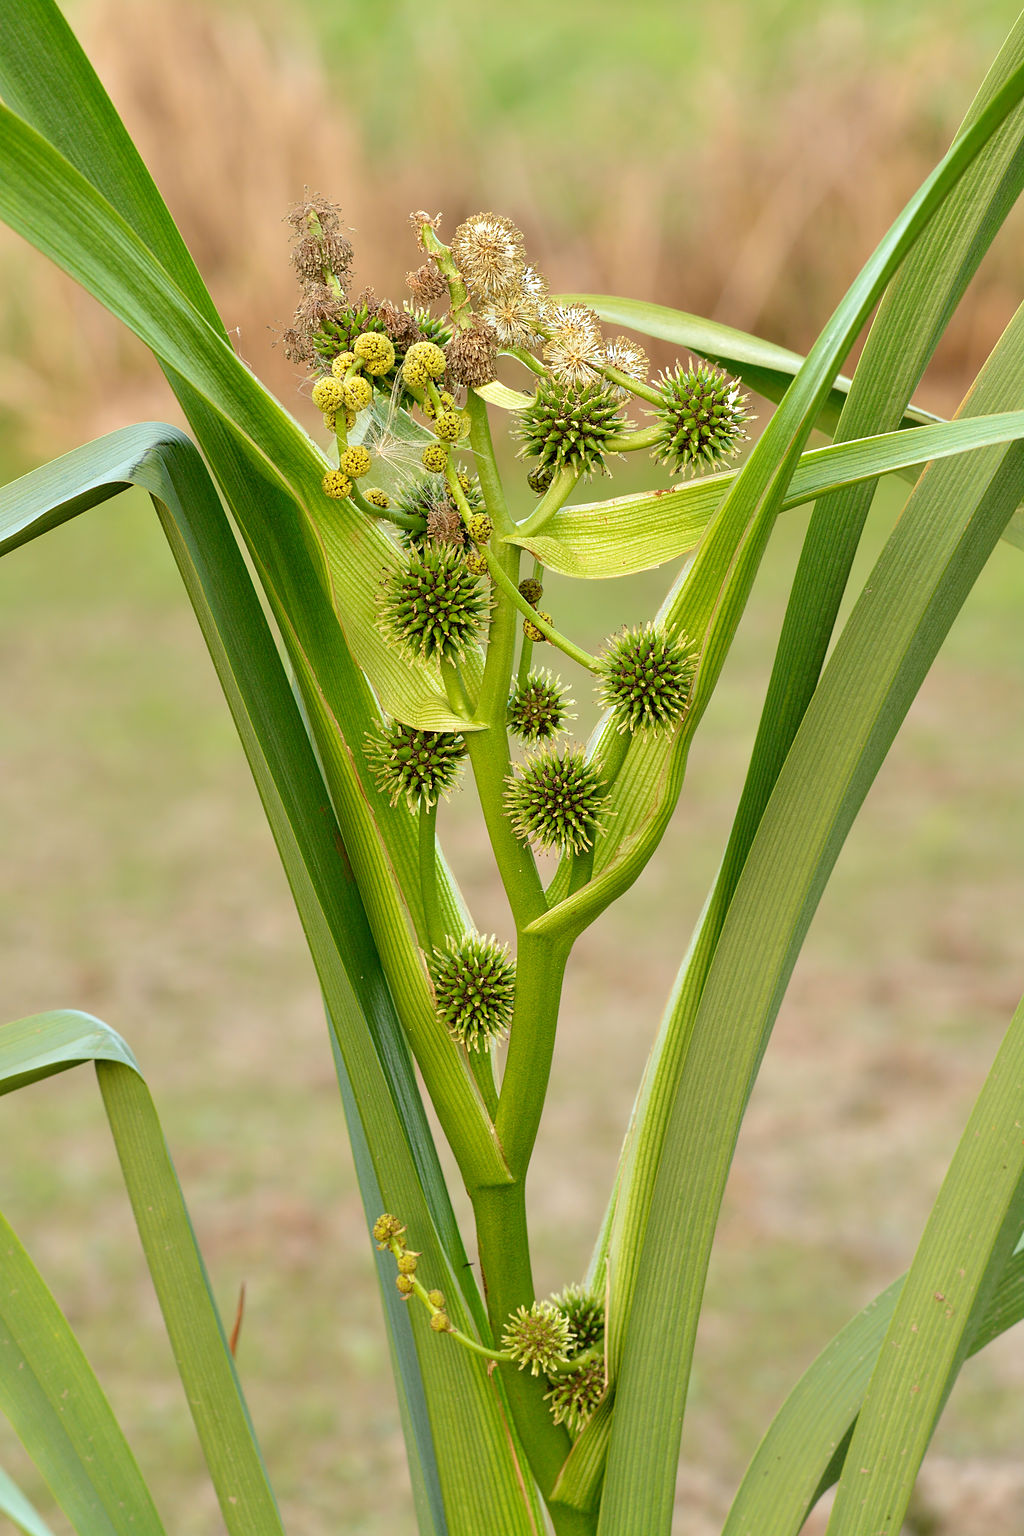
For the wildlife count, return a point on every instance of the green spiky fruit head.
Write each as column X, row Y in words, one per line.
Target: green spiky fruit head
column 355, row 461
column 539, row 479
column 576, row 1394
column 539, row 1337
column 646, row 678
column 435, row 457
column 480, row 528
column 336, row 484
column 421, row 765
column 538, row 708
column 358, row 393
column 433, row 605
column 701, row 421
column 553, row 800
column 567, row 426
column 429, row 355
column 328, row 395
column 585, row 1312
column 474, row 982
column 376, row 351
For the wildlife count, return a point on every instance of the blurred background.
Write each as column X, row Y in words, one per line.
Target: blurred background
column 733, row 160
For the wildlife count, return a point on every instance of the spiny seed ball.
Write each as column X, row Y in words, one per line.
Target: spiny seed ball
column 537, row 709
column 538, row 1337
column 342, row 363
column 433, row 605
column 568, row 426
column 435, row 458
column 378, row 498
column 436, row 1298
column 407, row 1264
column 431, row 357
column 328, row 395
column 702, row 418
column 480, row 528
column 476, row 562
column 358, row 393
column 439, row 1322
column 574, row 1396
column 336, row 484
column 531, row 589
column 376, row 350
column 405, row 1284
column 646, row 679
column 533, row 631
column 448, row 426
column 554, row 798
column 474, row 985
column 421, row 765
column 355, row 461
column 585, row 1312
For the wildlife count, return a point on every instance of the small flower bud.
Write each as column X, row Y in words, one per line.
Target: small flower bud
column 405, row 1284
column 386, row 1229
column 342, row 363
column 436, row 1298
column 480, row 528
column 378, row 498
column 531, row 589
column 336, row 484
column 414, row 373
column 358, row 393
column 330, row 420
column 328, row 395
column 435, row 457
column 407, row 1264
column 448, row 426
column 533, row 631
column 476, row 563
column 376, row 350
column 439, row 1322
column 355, row 461
column 430, row 355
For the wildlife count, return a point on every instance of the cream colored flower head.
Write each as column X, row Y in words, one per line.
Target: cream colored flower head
column 574, row 351
column 490, row 253
column 629, row 358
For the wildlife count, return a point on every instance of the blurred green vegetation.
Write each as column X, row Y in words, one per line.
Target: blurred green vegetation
column 143, row 886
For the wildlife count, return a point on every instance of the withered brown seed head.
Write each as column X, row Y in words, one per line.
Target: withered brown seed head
column 399, row 324
column 297, row 346
column 317, row 305
column 327, row 212
column 426, row 283
column 444, row 525
column 472, row 356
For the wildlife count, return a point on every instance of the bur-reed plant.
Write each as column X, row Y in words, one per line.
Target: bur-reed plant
column 405, row 646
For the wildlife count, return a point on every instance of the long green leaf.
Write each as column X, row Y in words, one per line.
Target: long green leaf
column 805, row 1446
column 656, row 1349
column 636, row 533
column 973, row 1227
column 463, row 1400
column 48, row 1043
column 18, row 1510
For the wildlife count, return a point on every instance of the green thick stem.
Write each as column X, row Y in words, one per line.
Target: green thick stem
column 540, row 968
column 428, row 876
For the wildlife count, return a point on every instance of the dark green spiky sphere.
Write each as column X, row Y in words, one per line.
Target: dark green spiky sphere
column 474, row 984
column 576, row 1394
column 702, row 418
column 646, row 678
column 567, row 426
column 537, row 708
column 433, row 605
column 553, row 800
column 421, row 765
column 585, row 1312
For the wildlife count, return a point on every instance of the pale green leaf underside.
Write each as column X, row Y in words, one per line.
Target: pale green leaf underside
column 18, row 1510
column 636, row 533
